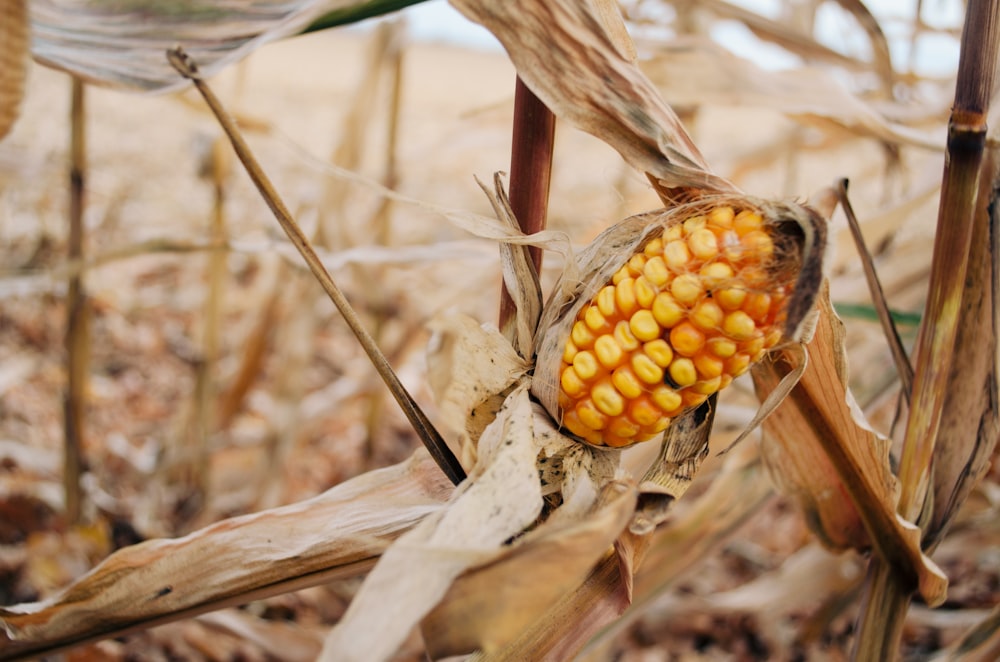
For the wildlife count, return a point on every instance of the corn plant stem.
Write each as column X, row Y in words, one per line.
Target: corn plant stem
column 432, row 439
column 532, row 146
column 902, row 361
column 77, row 340
column 887, row 594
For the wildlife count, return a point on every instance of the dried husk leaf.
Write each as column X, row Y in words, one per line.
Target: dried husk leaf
column 822, row 454
column 490, row 607
column 13, row 60
column 799, row 230
column 500, row 499
column 344, row 527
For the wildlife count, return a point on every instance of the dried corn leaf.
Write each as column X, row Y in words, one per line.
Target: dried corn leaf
column 236, row 558
column 13, row 60
column 696, row 71
column 564, row 55
column 820, row 452
column 500, row 499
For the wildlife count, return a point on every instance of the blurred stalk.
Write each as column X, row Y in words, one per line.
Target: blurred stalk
column 887, row 594
column 13, row 60
column 532, row 145
column 77, row 322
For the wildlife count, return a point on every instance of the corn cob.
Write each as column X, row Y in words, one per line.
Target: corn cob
column 694, row 307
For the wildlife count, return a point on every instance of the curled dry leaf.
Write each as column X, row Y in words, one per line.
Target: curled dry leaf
column 823, row 454
column 344, row 527
column 13, row 60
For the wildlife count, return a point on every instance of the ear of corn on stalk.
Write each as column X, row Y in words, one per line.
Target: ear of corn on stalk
column 695, row 296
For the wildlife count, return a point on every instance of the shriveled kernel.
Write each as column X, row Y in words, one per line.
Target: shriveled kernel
column 607, row 399
column 706, row 386
column 707, row 315
column 721, row 347
column 703, row 244
column 676, row 254
column 571, row 382
column 667, row 311
column 626, row 382
column 595, row 321
column 666, row 398
column 661, row 353
column 686, row 339
column 747, row 221
column 757, row 244
column 646, row 369
column 694, row 223
column 683, row 372
column 608, row 352
column 644, row 326
column 737, row 364
column 573, row 423
column 585, row 364
column 581, row 336
column 739, row 326
column 757, row 305
column 606, row 301
column 636, row 264
column 708, row 365
column 625, row 296
column 656, row 271
column 687, row 288
column 721, row 217
column 624, row 337
column 731, row 298
column 715, row 274
column 644, row 292
column 643, row 411
column 654, row 247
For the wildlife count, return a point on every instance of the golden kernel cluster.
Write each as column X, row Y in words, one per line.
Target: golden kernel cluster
column 676, row 323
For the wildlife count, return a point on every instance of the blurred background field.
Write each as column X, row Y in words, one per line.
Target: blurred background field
column 221, row 380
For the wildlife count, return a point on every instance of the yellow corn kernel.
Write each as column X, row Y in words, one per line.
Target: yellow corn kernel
column 573, row 423
column 661, row 353
column 753, row 346
column 737, row 364
column 708, row 365
column 731, row 298
column 654, row 247
column 666, row 398
column 673, row 233
column 646, row 369
column 694, row 223
column 721, row 217
column 667, row 312
column 687, row 288
column 624, row 428
column 747, row 221
column 644, row 292
column 614, row 441
column 739, row 326
column 625, row 296
column 707, row 386
column 726, row 381
column 772, row 338
column 608, row 352
column 757, row 244
column 656, row 271
column 686, row 339
column 581, row 336
column 569, row 351
column 626, row 382
column 595, row 321
column 683, row 372
column 636, row 264
column 621, row 275
column 721, row 347
column 715, row 274
column 643, row 411
column 703, row 244
column 707, row 315
column 624, row 337
column 585, row 364
column 757, row 305
column 607, row 398
column 644, row 326
column 661, row 424
column 693, row 398
column 676, row 254
column 590, row 416
column 606, row 301
column 571, row 382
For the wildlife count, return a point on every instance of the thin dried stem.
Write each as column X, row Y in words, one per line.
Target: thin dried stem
column 421, row 424
column 13, row 60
